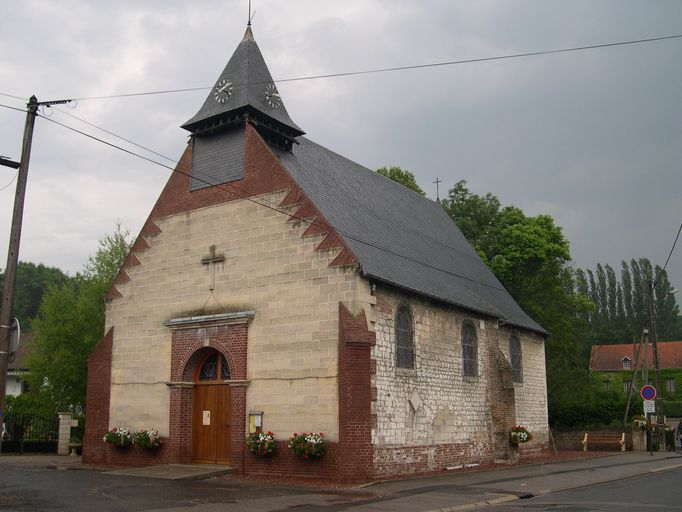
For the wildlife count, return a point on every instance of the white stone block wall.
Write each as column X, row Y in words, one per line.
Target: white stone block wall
column 531, row 393
column 270, row 269
column 454, row 408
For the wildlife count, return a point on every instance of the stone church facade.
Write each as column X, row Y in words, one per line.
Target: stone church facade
column 275, row 279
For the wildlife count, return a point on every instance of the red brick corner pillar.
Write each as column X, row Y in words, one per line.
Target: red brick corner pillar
column 180, row 423
column 97, row 399
column 355, row 397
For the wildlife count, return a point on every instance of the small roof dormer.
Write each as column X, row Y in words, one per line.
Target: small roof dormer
column 245, row 90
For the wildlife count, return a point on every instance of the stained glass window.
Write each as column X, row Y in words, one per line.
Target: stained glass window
column 213, row 366
column 404, row 339
column 516, row 358
column 469, row 350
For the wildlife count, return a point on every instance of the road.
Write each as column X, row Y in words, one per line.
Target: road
column 661, row 491
column 622, row 482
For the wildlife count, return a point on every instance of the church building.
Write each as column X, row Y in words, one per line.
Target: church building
column 279, row 286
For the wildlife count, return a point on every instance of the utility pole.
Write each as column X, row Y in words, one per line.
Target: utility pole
column 13, row 251
column 654, row 347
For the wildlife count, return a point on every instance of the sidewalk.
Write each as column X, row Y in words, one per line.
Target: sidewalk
column 450, row 492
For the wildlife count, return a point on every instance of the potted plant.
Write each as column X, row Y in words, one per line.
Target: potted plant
column 519, row 434
column 118, row 436
column 307, row 445
column 639, row 422
column 147, row 439
column 261, row 443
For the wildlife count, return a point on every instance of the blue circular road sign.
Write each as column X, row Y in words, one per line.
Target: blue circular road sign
column 648, row 392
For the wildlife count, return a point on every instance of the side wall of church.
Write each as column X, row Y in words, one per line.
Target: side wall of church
column 531, row 392
column 433, row 416
column 269, row 268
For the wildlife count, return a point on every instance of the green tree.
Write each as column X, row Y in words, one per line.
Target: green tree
column 70, row 323
column 32, row 281
column 668, row 320
column 530, row 256
column 627, row 303
column 626, row 284
column 402, row 176
column 476, row 216
column 639, row 308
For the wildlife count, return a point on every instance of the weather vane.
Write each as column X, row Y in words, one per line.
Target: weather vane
column 437, row 182
column 250, row 15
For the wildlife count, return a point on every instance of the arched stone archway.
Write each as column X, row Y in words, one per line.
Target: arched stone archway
column 193, row 340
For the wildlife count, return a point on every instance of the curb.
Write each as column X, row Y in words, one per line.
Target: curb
column 504, row 498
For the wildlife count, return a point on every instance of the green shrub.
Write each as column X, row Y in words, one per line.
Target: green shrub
column 672, row 408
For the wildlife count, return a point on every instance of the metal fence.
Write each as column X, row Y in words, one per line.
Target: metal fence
column 25, row 433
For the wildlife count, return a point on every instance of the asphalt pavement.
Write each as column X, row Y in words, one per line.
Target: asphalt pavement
column 47, row 483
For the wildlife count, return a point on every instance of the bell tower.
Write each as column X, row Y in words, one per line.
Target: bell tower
column 244, row 92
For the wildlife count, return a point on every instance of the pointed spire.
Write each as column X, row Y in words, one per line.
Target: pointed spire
column 245, row 89
column 248, row 35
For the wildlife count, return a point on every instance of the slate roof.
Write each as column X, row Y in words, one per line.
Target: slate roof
column 609, row 358
column 399, row 236
column 249, row 75
column 217, row 158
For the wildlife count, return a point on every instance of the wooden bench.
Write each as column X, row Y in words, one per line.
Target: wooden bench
column 603, row 440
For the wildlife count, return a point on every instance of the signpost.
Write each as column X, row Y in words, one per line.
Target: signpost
column 648, row 393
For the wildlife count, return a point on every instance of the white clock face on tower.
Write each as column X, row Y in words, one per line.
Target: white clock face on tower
column 223, row 91
column 272, row 96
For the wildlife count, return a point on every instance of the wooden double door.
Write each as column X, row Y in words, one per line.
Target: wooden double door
column 211, row 415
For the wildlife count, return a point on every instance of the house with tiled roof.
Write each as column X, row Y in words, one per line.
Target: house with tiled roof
column 279, row 286
column 613, row 366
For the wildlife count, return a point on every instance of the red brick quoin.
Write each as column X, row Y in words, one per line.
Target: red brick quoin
column 97, row 401
column 95, row 450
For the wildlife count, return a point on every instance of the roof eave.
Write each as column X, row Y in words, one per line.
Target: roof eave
column 489, row 314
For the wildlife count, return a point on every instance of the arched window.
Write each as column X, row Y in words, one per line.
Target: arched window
column 214, row 368
column 404, row 338
column 469, row 350
column 516, row 358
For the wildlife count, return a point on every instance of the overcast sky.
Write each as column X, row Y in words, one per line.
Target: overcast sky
column 592, row 138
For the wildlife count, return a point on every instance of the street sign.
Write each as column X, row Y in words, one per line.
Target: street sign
column 649, row 406
column 648, row 392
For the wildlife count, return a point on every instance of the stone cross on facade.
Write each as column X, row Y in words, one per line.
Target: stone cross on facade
column 211, row 260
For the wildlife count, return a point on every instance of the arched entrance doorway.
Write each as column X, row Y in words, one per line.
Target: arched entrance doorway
column 211, row 410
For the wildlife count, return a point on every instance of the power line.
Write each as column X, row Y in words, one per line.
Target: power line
column 97, row 127
column 669, row 255
column 13, row 108
column 228, row 189
column 114, row 134
column 465, row 254
column 148, row 93
column 12, row 96
column 403, row 68
column 10, row 181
